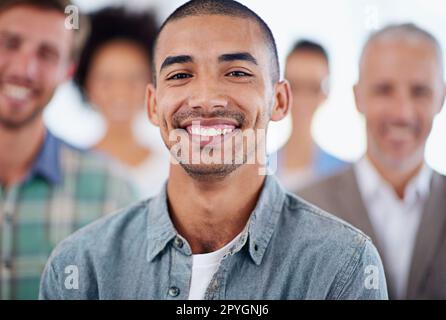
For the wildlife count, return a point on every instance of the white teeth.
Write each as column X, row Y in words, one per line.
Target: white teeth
column 16, row 92
column 209, row 132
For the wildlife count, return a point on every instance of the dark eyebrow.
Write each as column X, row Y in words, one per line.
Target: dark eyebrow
column 243, row 56
column 7, row 34
column 175, row 59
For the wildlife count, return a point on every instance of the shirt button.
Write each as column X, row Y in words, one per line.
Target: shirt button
column 174, row 291
column 178, row 242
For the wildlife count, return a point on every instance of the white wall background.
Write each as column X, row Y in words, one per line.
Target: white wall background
column 341, row 25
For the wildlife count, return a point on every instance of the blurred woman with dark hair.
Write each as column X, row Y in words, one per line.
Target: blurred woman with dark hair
column 113, row 72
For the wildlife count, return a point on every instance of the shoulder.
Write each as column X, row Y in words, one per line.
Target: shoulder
column 316, row 222
column 323, row 187
column 105, row 234
column 96, row 171
column 332, row 248
column 76, row 158
column 87, row 159
column 338, row 253
column 92, row 251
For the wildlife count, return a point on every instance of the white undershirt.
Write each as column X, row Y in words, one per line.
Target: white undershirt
column 395, row 221
column 204, row 267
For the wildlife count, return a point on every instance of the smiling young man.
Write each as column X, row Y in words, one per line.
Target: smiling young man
column 48, row 189
column 217, row 230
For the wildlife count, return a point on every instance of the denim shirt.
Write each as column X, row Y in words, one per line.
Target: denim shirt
column 289, row 250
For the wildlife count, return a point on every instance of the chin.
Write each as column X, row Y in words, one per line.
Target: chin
column 209, row 172
column 403, row 162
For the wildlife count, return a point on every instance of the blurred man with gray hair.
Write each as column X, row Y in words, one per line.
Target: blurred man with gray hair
column 391, row 193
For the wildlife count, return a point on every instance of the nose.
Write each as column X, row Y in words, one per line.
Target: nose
column 121, row 90
column 207, row 94
column 404, row 108
column 24, row 65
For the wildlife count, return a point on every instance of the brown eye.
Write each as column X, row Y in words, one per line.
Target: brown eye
column 48, row 54
column 9, row 43
column 420, row 91
column 238, row 74
column 383, row 90
column 179, row 76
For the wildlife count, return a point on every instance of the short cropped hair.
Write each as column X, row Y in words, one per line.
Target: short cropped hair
column 309, row 46
column 225, row 8
column 116, row 23
column 59, row 6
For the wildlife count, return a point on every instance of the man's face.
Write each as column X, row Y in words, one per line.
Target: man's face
column 34, row 59
column 210, row 72
column 307, row 73
column 399, row 92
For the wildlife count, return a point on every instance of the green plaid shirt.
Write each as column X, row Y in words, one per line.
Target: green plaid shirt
column 66, row 189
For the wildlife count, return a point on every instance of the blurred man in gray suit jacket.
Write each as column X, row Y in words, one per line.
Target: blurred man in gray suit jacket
column 391, row 193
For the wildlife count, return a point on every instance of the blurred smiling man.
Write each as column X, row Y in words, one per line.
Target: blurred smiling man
column 48, row 189
column 217, row 230
column 391, row 193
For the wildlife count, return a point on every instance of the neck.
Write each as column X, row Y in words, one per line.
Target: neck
column 398, row 178
column 119, row 132
column 299, row 150
column 210, row 214
column 18, row 149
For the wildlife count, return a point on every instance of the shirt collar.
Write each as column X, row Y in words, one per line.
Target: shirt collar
column 264, row 218
column 47, row 163
column 419, row 186
column 160, row 228
column 257, row 234
column 371, row 183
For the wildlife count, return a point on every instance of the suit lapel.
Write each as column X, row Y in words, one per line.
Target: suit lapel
column 355, row 212
column 429, row 233
column 352, row 206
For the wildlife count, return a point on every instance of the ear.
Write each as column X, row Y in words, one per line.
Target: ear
column 151, row 105
column 357, row 96
column 283, row 100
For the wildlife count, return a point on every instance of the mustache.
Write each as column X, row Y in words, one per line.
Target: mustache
column 18, row 80
column 182, row 116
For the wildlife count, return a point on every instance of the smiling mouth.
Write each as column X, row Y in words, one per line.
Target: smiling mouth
column 16, row 93
column 210, row 131
column 399, row 133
